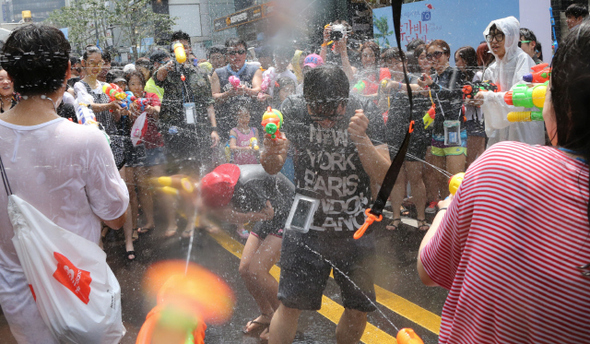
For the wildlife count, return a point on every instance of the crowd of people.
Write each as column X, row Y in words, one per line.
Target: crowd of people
column 298, row 196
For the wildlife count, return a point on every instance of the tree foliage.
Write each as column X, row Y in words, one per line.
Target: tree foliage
column 89, row 21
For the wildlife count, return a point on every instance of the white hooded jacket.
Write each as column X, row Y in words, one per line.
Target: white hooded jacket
column 507, row 72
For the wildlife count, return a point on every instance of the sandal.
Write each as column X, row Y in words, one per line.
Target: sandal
column 187, row 233
column 144, row 230
column 394, row 224
column 128, row 255
column 423, row 225
column 255, row 327
column 134, row 234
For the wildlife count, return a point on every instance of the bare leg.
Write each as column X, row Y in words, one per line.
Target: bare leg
column 283, row 325
column 167, row 202
column 430, row 176
column 351, row 326
column 441, row 179
column 475, row 147
column 455, row 164
column 397, row 197
column 142, row 175
column 414, row 174
column 126, row 173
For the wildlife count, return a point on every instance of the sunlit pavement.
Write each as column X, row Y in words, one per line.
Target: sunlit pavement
column 404, row 301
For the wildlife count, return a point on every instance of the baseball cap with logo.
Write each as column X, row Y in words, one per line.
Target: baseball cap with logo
column 217, row 186
column 313, row 60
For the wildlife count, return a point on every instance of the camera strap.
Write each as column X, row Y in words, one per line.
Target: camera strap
column 375, row 213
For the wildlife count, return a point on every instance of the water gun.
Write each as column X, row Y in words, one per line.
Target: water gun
column 541, row 74
column 455, row 181
column 267, row 77
column 234, row 81
column 114, row 92
column 529, row 97
column 179, row 52
column 360, row 86
column 254, row 143
column 142, row 103
column 408, row 336
column 429, row 116
column 128, row 100
column 272, row 121
column 472, row 88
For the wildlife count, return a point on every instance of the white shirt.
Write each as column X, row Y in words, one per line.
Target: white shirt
column 67, row 172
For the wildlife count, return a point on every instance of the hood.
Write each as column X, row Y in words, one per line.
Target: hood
column 511, row 28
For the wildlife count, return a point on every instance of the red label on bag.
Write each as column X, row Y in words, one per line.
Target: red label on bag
column 77, row 280
column 33, row 292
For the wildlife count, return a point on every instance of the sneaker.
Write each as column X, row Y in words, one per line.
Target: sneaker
column 431, row 208
column 243, row 233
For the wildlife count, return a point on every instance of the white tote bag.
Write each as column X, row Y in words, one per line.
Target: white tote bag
column 138, row 129
column 76, row 292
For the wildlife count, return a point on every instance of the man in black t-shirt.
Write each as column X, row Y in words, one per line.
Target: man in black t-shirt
column 340, row 152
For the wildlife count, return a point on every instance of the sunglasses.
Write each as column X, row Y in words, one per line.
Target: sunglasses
column 435, row 55
column 523, row 42
column 499, row 37
column 239, row 52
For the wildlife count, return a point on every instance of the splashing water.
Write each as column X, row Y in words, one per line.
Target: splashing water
column 355, row 285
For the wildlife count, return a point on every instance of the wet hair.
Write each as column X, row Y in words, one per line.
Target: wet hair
column 240, row 104
column 539, row 50
column 145, row 63
column 413, row 64
column 74, row 60
column 441, row 44
column 216, row 49
column 36, row 57
column 576, row 11
column 180, row 35
column 393, row 53
column 91, row 49
column 234, row 42
column 281, row 83
column 484, row 56
column 528, row 35
column 468, row 55
column 137, row 74
column 415, row 43
column 327, row 83
column 106, row 57
column 376, row 50
column 569, row 92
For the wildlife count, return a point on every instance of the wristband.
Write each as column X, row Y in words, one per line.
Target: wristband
column 213, row 129
column 400, row 86
column 445, row 208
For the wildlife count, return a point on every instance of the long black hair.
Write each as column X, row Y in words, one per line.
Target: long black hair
column 570, row 94
column 468, row 55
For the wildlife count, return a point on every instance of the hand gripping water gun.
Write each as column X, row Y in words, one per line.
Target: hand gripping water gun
column 472, row 88
column 429, row 116
column 234, row 81
column 128, row 100
column 408, row 336
column 272, row 121
column 541, row 74
column 84, row 113
column 526, row 96
column 254, row 143
column 179, row 52
column 359, row 87
column 142, row 103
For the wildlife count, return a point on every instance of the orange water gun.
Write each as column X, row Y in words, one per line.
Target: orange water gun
column 408, row 336
column 272, row 121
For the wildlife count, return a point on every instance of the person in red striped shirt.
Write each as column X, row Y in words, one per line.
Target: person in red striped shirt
column 516, row 270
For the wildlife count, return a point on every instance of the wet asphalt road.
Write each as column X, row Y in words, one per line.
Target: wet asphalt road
column 396, row 277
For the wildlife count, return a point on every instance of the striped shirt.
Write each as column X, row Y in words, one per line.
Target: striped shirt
column 508, row 247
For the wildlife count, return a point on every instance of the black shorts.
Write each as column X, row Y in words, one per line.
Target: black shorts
column 305, row 270
column 262, row 229
column 475, row 128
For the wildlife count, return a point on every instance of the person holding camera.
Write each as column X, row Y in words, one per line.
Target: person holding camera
column 187, row 116
column 336, row 34
column 327, row 125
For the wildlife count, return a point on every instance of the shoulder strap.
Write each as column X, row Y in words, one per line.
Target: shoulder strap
column 5, row 178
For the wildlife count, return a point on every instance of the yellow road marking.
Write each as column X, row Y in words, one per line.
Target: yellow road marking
column 332, row 310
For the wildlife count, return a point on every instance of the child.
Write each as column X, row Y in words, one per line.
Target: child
column 244, row 145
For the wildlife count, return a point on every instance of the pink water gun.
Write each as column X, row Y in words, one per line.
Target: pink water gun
column 234, row 81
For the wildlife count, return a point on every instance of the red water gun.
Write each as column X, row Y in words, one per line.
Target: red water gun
column 541, row 74
column 472, row 88
column 114, row 92
column 142, row 103
column 408, row 336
